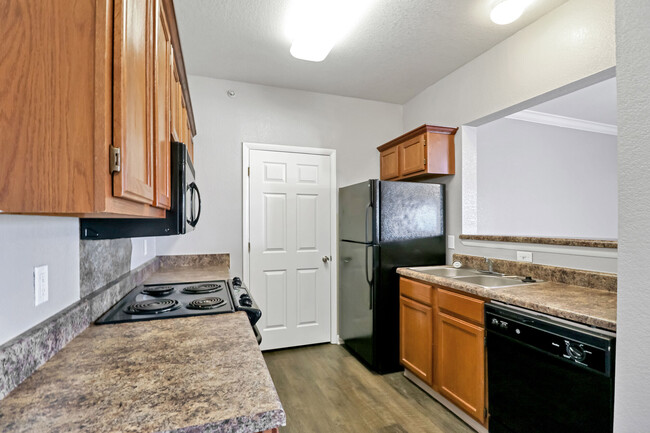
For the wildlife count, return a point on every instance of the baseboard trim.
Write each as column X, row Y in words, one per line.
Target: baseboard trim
column 446, row 403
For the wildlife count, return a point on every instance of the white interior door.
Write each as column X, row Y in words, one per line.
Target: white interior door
column 290, row 235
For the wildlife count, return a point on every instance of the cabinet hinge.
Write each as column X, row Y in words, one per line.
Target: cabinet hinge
column 425, row 160
column 249, row 247
column 114, row 159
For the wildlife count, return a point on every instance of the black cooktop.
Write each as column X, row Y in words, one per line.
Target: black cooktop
column 171, row 300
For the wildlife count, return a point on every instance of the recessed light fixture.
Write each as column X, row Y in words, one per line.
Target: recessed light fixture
column 314, row 26
column 508, row 11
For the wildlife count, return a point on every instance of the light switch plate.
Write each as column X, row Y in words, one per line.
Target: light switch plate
column 451, row 242
column 525, row 256
column 41, row 289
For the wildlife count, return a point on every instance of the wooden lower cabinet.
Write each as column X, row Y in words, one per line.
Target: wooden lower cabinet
column 442, row 342
column 460, row 364
column 416, row 338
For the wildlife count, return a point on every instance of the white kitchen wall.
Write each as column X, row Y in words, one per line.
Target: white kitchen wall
column 543, row 180
column 262, row 114
column 573, row 43
column 633, row 311
column 27, row 242
column 142, row 250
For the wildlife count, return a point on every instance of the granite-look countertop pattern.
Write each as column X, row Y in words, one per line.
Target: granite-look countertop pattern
column 176, row 375
column 188, row 274
column 573, row 242
column 580, row 304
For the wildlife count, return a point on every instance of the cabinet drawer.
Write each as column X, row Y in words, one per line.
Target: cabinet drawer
column 417, row 291
column 461, row 306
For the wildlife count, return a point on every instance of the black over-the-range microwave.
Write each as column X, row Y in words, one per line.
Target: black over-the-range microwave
column 180, row 219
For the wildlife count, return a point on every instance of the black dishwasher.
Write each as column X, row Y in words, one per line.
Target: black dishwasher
column 547, row 375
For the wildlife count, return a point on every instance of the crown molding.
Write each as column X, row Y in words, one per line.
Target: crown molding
column 564, row 122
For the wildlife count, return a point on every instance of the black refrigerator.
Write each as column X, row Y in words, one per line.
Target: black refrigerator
column 383, row 226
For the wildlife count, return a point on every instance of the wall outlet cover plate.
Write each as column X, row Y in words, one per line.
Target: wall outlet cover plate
column 525, row 256
column 41, row 290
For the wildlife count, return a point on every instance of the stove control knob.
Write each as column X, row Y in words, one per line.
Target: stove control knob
column 236, row 281
column 248, row 302
column 495, row 322
column 503, row 325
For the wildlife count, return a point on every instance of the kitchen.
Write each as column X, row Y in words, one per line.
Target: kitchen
column 573, row 43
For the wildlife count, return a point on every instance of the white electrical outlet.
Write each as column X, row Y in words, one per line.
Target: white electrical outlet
column 524, row 256
column 145, row 247
column 41, row 289
column 451, row 242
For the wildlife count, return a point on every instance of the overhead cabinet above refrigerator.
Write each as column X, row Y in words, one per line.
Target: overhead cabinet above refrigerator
column 383, row 226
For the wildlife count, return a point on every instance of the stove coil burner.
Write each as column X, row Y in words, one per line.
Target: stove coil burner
column 155, row 306
column 202, row 289
column 206, row 303
column 158, row 290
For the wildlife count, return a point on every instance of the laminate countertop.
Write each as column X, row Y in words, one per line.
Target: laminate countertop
column 194, row 374
column 585, row 305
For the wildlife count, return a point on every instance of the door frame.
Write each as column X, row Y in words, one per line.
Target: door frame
column 247, row 147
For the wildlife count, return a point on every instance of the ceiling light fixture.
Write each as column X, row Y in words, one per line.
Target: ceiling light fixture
column 315, row 26
column 508, row 11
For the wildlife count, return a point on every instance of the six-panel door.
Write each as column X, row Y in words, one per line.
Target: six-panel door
column 290, row 212
column 133, row 98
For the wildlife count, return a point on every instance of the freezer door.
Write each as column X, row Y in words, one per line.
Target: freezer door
column 356, row 212
column 411, row 210
column 356, row 298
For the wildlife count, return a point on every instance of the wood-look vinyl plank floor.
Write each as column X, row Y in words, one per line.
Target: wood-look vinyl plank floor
column 325, row 389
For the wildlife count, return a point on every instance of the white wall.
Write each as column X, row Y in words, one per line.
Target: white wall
column 142, row 250
column 573, row 43
column 633, row 312
column 262, row 114
column 543, row 180
column 26, row 242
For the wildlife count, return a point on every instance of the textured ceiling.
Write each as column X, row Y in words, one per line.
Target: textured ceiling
column 399, row 48
column 596, row 103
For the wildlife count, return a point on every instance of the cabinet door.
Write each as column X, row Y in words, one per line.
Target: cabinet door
column 416, row 338
column 460, row 364
column 162, row 111
column 132, row 99
column 175, row 101
column 389, row 163
column 412, row 156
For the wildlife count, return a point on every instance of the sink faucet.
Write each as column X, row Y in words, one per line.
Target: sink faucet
column 489, row 265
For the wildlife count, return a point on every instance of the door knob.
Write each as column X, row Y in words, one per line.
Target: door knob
column 326, row 259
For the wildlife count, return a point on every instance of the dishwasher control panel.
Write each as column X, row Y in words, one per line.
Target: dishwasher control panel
column 582, row 348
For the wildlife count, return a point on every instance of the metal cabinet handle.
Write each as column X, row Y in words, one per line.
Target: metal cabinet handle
column 326, row 259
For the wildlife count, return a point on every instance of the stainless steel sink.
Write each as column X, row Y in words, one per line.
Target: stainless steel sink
column 491, row 281
column 446, row 272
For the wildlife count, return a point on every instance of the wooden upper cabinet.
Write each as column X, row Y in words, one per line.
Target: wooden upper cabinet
column 133, row 99
column 389, row 163
column 162, row 99
column 89, row 80
column 425, row 152
column 412, row 155
column 176, row 95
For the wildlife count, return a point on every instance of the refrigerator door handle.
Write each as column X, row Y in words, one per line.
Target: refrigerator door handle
column 368, row 278
column 368, row 208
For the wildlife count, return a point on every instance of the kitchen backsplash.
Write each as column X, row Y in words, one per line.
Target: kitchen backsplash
column 576, row 277
column 102, row 261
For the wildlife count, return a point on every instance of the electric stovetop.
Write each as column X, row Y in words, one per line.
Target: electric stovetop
column 166, row 301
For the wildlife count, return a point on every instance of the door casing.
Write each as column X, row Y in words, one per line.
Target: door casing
column 331, row 153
